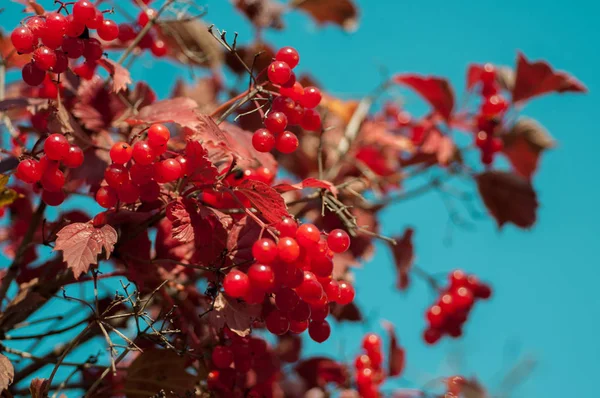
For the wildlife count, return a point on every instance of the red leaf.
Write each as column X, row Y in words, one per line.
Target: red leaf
column 524, row 144
column 538, row 78
column 435, row 90
column 348, row 312
column 307, row 183
column 120, row 76
column 238, row 316
column 240, row 239
column 509, row 197
column 200, row 169
column 343, row 13
column 7, row 373
column 81, row 243
column 319, row 371
column 473, row 73
column 404, row 256
column 397, row 356
column 265, row 199
column 182, row 222
column 262, row 13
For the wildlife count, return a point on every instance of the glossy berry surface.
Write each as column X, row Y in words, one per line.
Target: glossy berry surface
column 279, row 72
column 289, row 55
column 276, row 122
column 32, row 75
column 264, row 251
column 56, row 146
column 143, row 153
column 338, row 241
column 222, row 357
column 263, row 140
column 311, row 120
column 236, row 284
column 319, row 331
column 311, row 98
column 287, row 142
column 23, row 39
column 121, row 153
column 288, row 249
column 74, row 158
column 108, row 30
column 346, row 293
column 29, row 171
column 158, row 135
column 83, row 11
column 44, row 58
column 277, row 323
column 261, row 276
column 167, row 171
column 287, row 227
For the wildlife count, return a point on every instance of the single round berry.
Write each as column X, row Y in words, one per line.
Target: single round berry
column 236, row 284
column 167, row 171
column 448, row 304
column 222, row 357
column 52, row 180
column 483, row 291
column 301, row 312
column 261, row 277
column 289, row 55
column 276, row 122
column 310, row 289
column 458, row 278
column 32, row 75
column 159, row 48
column 286, row 299
column 106, row 197
column 277, row 323
column 432, row 335
column 29, row 171
column 298, row 327
column 307, row 235
column 254, row 296
column 93, row 50
column 319, row 311
column 128, row 192
column 311, row 98
column 287, row 227
column 319, row 331
column 464, row 298
column 116, row 175
column 435, row 316
column 338, row 241
column 288, row 249
column 286, row 142
column 83, row 11
column 44, row 58
column 264, row 251
column 73, row 47
column 263, row 140
column 126, row 32
column 108, row 30
column 346, row 293
column 322, row 265
column 74, row 158
column 56, row 147
column 141, row 175
column 145, row 16
column 56, row 24
column 264, row 174
column 494, row 105
column 295, row 116
column 332, row 291
column 53, row 198
column 23, row 39
column 362, row 362
column 295, row 92
column 488, row 74
column 279, row 72
column 282, row 104
column 86, row 70
column 74, row 28
column 37, row 26
column 62, row 63
column 364, row 378
column 96, row 21
column 311, row 121
column 371, row 343
column 121, row 153
column 143, row 153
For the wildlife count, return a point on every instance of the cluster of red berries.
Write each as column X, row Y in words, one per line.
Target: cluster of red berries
column 492, row 110
column 151, row 40
column 47, row 171
column 297, row 269
column 369, row 374
column 136, row 171
column 448, row 315
column 293, row 107
column 53, row 39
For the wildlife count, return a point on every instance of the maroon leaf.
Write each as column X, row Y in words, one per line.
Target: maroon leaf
column 307, row 183
column 182, row 222
column 265, row 199
column 241, row 237
column 524, row 144
column 343, row 13
column 538, row 78
column 81, row 243
column 348, row 312
column 435, row 90
column 319, row 371
column 7, row 373
column 262, row 13
column 473, row 74
column 508, row 197
column 397, row 356
column 37, row 388
column 404, row 257
column 199, row 168
column 120, row 76
column 238, row 316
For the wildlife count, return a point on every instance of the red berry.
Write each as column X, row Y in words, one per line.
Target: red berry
column 143, row 153
column 236, row 284
column 307, row 235
column 145, row 16
column 338, row 241
column 106, row 197
column 431, row 335
column 310, row 290
column 371, row 343
column 346, row 293
column 488, row 74
column 301, row 312
column 311, row 98
column 23, row 39
column 264, row 174
column 254, row 296
column 128, row 192
column 120, row 153
column 37, row 26
column 295, row 92
column 263, row 140
column 320, row 310
column 261, row 277
column 52, row 180
column 288, row 249
column 83, row 11
column 32, row 75
column 458, row 278
column 286, row 299
column 126, row 32
column 332, row 291
column 222, row 357
column 73, row 47
column 86, row 70
column 435, row 316
column 283, row 104
column 56, row 147
column 96, row 21
column 289, row 55
column 447, row 304
column 264, row 251
column 483, row 291
column 298, row 327
column 287, row 227
column 311, row 121
column 322, row 265
column 319, row 331
column 62, row 62
column 74, row 28
column 167, row 171
column 277, row 323
column 463, row 297
column 99, row 219
column 364, row 377
column 276, row 122
column 53, row 198
column 108, row 30
column 56, row 24
column 183, row 162
column 159, row 48
column 74, row 158
column 141, row 175
column 287, row 142
column 149, row 192
column 92, row 50
column 29, row 171
column 116, row 175
column 279, row 72
column 494, row 105
column 44, row 58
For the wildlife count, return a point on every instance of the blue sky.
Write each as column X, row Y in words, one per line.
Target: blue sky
column 544, row 304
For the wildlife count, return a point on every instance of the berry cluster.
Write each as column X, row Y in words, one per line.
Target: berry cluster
column 369, row 374
column 136, row 171
column 452, row 308
column 53, row 39
column 491, row 112
column 297, row 269
column 47, row 170
column 293, row 107
column 152, row 40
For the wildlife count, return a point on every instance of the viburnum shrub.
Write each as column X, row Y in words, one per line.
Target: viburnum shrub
column 229, row 215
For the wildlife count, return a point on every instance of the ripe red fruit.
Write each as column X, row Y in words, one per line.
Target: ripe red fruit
column 74, row 28
column 32, row 75
column 261, row 277
column 143, row 153
column 287, row 227
column 222, row 357
column 319, row 331
column 332, row 290
column 86, row 70
column 159, row 48
column 52, row 180
column 279, row 72
column 53, row 198
column 149, row 192
column 116, row 175
column 263, row 140
column 264, row 174
column 464, row 298
column 276, row 122
column 167, row 171
column 310, row 289
column 319, row 311
column 236, row 284
column 83, row 11
column 298, row 326
column 62, row 63
column 432, row 335
column 96, row 21
column 286, row 142
column 282, row 104
column 289, row 55
column 145, row 16
column 364, row 377
column 311, row 121
column 37, row 26
column 371, row 343
column 447, row 304
column 23, row 39
column 277, row 323
column 288, row 249
column 311, row 98
column 435, row 316
column 74, row 158
column 73, row 47
column 126, row 32
column 140, row 174
column 56, row 146
column 338, row 241
column 29, row 171
column 307, row 235
column 483, row 291
column 362, row 362
column 128, row 193
column 494, row 105
column 488, row 74
column 108, row 30
column 121, row 152
column 92, row 50
column 346, row 293
column 286, row 299
column 264, row 251
column 56, row 24
column 322, row 264
column 295, row 92
column 301, row 312
column 44, row 58
column 158, row 135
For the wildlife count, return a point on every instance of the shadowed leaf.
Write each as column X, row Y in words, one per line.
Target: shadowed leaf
column 524, row 143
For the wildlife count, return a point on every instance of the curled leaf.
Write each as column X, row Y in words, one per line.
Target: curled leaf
column 435, row 90
column 265, row 199
column 307, row 183
column 262, row 13
column 524, row 143
column 397, row 355
column 343, row 13
column 237, row 316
